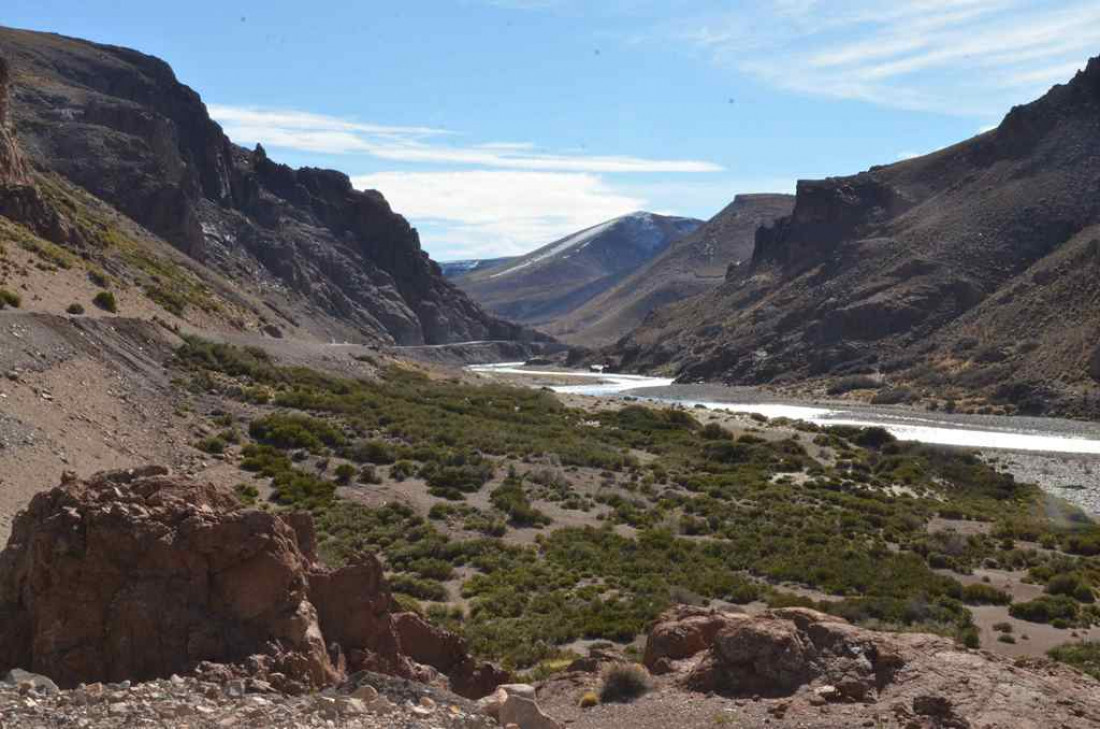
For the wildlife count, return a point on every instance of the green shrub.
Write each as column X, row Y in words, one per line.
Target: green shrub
column 1072, row 584
column 1045, row 609
column 171, row 301
column 247, row 493
column 402, row 470
column 418, row 588
column 344, row 473
column 1084, row 656
column 982, row 594
column 291, row 430
column 9, row 298
column 75, row 309
column 623, row 682
column 98, row 278
column 510, row 498
column 214, row 445
column 371, row 451
column 106, row 300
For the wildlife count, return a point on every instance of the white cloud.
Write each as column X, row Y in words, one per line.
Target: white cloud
column 483, row 213
column 308, row 132
column 968, row 57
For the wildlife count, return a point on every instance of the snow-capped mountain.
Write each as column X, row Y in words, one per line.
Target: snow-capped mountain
column 552, row 281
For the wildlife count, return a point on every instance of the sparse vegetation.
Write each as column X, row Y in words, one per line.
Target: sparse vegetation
column 622, row 682
column 8, row 298
column 840, row 527
column 1084, row 656
column 106, row 300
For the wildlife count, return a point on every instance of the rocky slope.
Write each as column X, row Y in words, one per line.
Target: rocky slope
column 135, row 575
column 961, row 273
column 690, row 266
column 327, row 259
column 550, row 283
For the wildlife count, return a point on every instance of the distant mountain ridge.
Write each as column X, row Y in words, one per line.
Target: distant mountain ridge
column 967, row 273
column 548, row 283
column 695, row 263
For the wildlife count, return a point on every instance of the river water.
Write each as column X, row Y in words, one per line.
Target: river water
column 1044, row 435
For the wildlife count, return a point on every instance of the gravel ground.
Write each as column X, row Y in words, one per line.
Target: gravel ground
column 195, row 704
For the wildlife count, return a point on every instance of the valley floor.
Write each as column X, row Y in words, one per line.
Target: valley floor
column 86, row 394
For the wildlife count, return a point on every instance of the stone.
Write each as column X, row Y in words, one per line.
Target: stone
column 366, row 694
column 351, row 706
column 19, row 677
column 682, row 632
column 526, row 714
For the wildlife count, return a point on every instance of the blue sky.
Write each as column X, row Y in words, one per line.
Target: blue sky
column 497, row 126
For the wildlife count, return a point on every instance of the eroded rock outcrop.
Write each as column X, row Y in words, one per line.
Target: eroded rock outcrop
column 134, row 575
column 799, row 660
column 13, row 170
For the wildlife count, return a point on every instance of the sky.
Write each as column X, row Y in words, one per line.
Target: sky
column 497, row 126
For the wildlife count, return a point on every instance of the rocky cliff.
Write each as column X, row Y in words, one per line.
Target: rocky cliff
column 960, row 273
column 119, row 124
column 135, row 575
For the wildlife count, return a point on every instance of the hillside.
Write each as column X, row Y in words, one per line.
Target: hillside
column 691, row 265
column 550, row 283
column 966, row 273
column 326, row 260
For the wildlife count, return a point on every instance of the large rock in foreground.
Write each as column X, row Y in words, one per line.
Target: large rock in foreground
column 811, row 669
column 138, row 575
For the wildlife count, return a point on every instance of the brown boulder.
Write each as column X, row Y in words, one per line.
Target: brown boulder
column 109, row 580
column 353, row 606
column 774, row 654
column 682, row 632
column 447, row 653
column 133, row 575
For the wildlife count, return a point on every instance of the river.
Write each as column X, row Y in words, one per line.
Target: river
column 1045, row 435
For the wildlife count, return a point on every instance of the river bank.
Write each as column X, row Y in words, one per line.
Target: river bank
column 1062, row 456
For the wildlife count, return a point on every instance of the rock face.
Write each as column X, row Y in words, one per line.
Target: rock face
column 118, row 123
column 13, row 170
column 919, row 268
column 20, row 200
column 801, row 659
column 138, row 575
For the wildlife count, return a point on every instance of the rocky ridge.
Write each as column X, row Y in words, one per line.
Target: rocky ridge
column 963, row 272
column 329, row 260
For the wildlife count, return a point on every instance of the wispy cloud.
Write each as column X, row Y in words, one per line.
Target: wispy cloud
column 308, row 132
column 481, row 213
column 968, row 57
